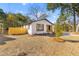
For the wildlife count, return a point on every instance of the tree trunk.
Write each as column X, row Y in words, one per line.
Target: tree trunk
column 74, row 20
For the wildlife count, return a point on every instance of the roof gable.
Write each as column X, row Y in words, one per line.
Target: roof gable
column 41, row 20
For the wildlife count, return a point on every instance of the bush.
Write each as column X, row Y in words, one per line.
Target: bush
column 58, row 30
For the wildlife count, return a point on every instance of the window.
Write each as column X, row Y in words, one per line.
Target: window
column 40, row 27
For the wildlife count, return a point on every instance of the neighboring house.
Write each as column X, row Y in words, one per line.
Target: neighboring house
column 77, row 28
column 40, row 27
column 1, row 26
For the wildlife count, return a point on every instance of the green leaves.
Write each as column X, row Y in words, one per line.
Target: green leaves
column 13, row 20
column 58, row 29
column 65, row 8
column 17, row 19
column 2, row 14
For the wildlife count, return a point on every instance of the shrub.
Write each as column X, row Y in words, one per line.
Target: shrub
column 58, row 30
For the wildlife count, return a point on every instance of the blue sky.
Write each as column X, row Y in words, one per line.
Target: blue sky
column 24, row 9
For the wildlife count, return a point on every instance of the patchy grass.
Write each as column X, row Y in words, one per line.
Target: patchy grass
column 74, row 33
column 70, row 37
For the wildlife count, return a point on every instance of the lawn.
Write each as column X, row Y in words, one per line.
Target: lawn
column 75, row 38
column 39, row 46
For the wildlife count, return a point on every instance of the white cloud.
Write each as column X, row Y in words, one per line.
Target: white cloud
column 54, row 16
column 19, row 11
column 38, row 14
column 23, row 4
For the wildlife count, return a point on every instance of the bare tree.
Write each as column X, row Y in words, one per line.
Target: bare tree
column 36, row 13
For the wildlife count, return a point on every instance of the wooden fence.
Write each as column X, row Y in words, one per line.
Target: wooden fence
column 17, row 30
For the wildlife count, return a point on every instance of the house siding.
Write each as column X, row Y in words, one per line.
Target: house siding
column 32, row 30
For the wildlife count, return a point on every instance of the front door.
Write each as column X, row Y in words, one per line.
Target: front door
column 49, row 28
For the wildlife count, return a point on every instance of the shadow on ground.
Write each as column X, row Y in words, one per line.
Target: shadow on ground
column 48, row 34
column 3, row 39
column 75, row 41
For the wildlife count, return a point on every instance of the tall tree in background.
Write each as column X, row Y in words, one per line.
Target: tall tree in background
column 2, row 15
column 37, row 13
column 65, row 7
column 63, row 20
column 11, row 19
column 58, row 28
column 23, row 19
column 61, row 24
column 17, row 19
column 2, row 20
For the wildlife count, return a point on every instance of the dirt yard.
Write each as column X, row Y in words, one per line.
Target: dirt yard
column 38, row 46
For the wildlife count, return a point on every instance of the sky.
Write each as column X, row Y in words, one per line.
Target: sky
column 24, row 8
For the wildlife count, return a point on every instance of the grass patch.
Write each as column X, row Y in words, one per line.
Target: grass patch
column 75, row 33
column 70, row 37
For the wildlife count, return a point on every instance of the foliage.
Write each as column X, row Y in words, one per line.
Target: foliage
column 63, row 20
column 11, row 20
column 58, row 29
column 66, row 7
column 5, row 25
column 2, row 14
column 23, row 19
column 14, row 20
column 62, row 24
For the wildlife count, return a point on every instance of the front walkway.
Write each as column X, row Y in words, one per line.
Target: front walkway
column 70, row 37
column 66, row 34
column 69, row 34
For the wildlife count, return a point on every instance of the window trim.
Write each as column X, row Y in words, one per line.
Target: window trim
column 38, row 27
